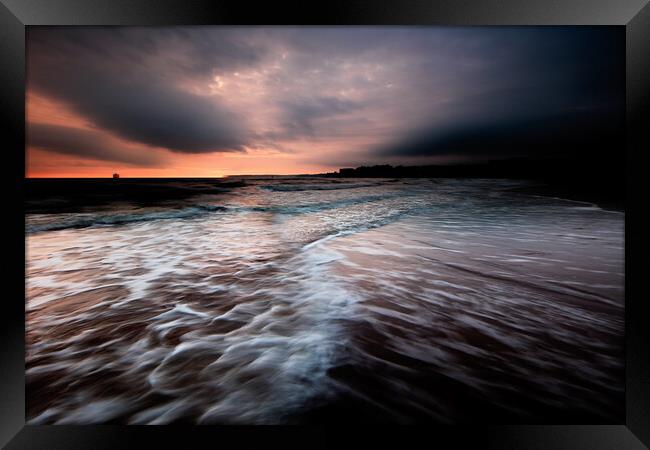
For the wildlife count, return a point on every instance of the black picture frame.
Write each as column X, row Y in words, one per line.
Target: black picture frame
column 634, row 15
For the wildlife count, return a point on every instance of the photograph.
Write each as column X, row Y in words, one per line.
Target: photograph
column 305, row 225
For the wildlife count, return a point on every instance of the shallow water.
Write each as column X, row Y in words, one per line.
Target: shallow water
column 300, row 300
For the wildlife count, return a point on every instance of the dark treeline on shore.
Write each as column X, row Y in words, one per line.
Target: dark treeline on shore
column 602, row 183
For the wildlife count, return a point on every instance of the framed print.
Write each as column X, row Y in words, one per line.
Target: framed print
column 269, row 222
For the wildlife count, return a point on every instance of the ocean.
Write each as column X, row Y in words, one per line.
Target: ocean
column 299, row 300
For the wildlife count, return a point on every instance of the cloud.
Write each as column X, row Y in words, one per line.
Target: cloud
column 130, row 83
column 561, row 135
column 87, row 144
column 329, row 93
column 532, row 92
column 152, row 113
column 309, row 117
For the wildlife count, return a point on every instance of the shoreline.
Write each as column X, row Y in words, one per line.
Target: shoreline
column 71, row 195
column 564, row 193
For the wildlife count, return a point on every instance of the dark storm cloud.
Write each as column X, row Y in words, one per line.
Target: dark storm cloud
column 86, row 144
column 162, row 52
column 543, row 92
column 558, row 135
column 150, row 112
column 330, row 93
column 127, row 81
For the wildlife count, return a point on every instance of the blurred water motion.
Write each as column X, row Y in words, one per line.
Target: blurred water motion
column 302, row 300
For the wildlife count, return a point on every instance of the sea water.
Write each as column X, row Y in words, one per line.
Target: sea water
column 302, row 300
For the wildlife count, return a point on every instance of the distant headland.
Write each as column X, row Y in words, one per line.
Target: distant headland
column 569, row 177
column 519, row 168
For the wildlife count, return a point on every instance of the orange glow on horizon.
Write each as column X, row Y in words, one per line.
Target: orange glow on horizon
column 145, row 173
column 44, row 164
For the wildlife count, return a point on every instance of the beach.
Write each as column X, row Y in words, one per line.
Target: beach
column 292, row 300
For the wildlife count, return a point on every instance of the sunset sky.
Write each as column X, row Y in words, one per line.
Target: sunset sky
column 216, row 101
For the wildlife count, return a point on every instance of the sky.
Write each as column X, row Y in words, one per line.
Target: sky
column 217, row 101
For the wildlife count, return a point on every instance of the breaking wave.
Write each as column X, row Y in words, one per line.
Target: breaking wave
column 80, row 220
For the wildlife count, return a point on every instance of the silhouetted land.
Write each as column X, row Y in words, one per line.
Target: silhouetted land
column 602, row 183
